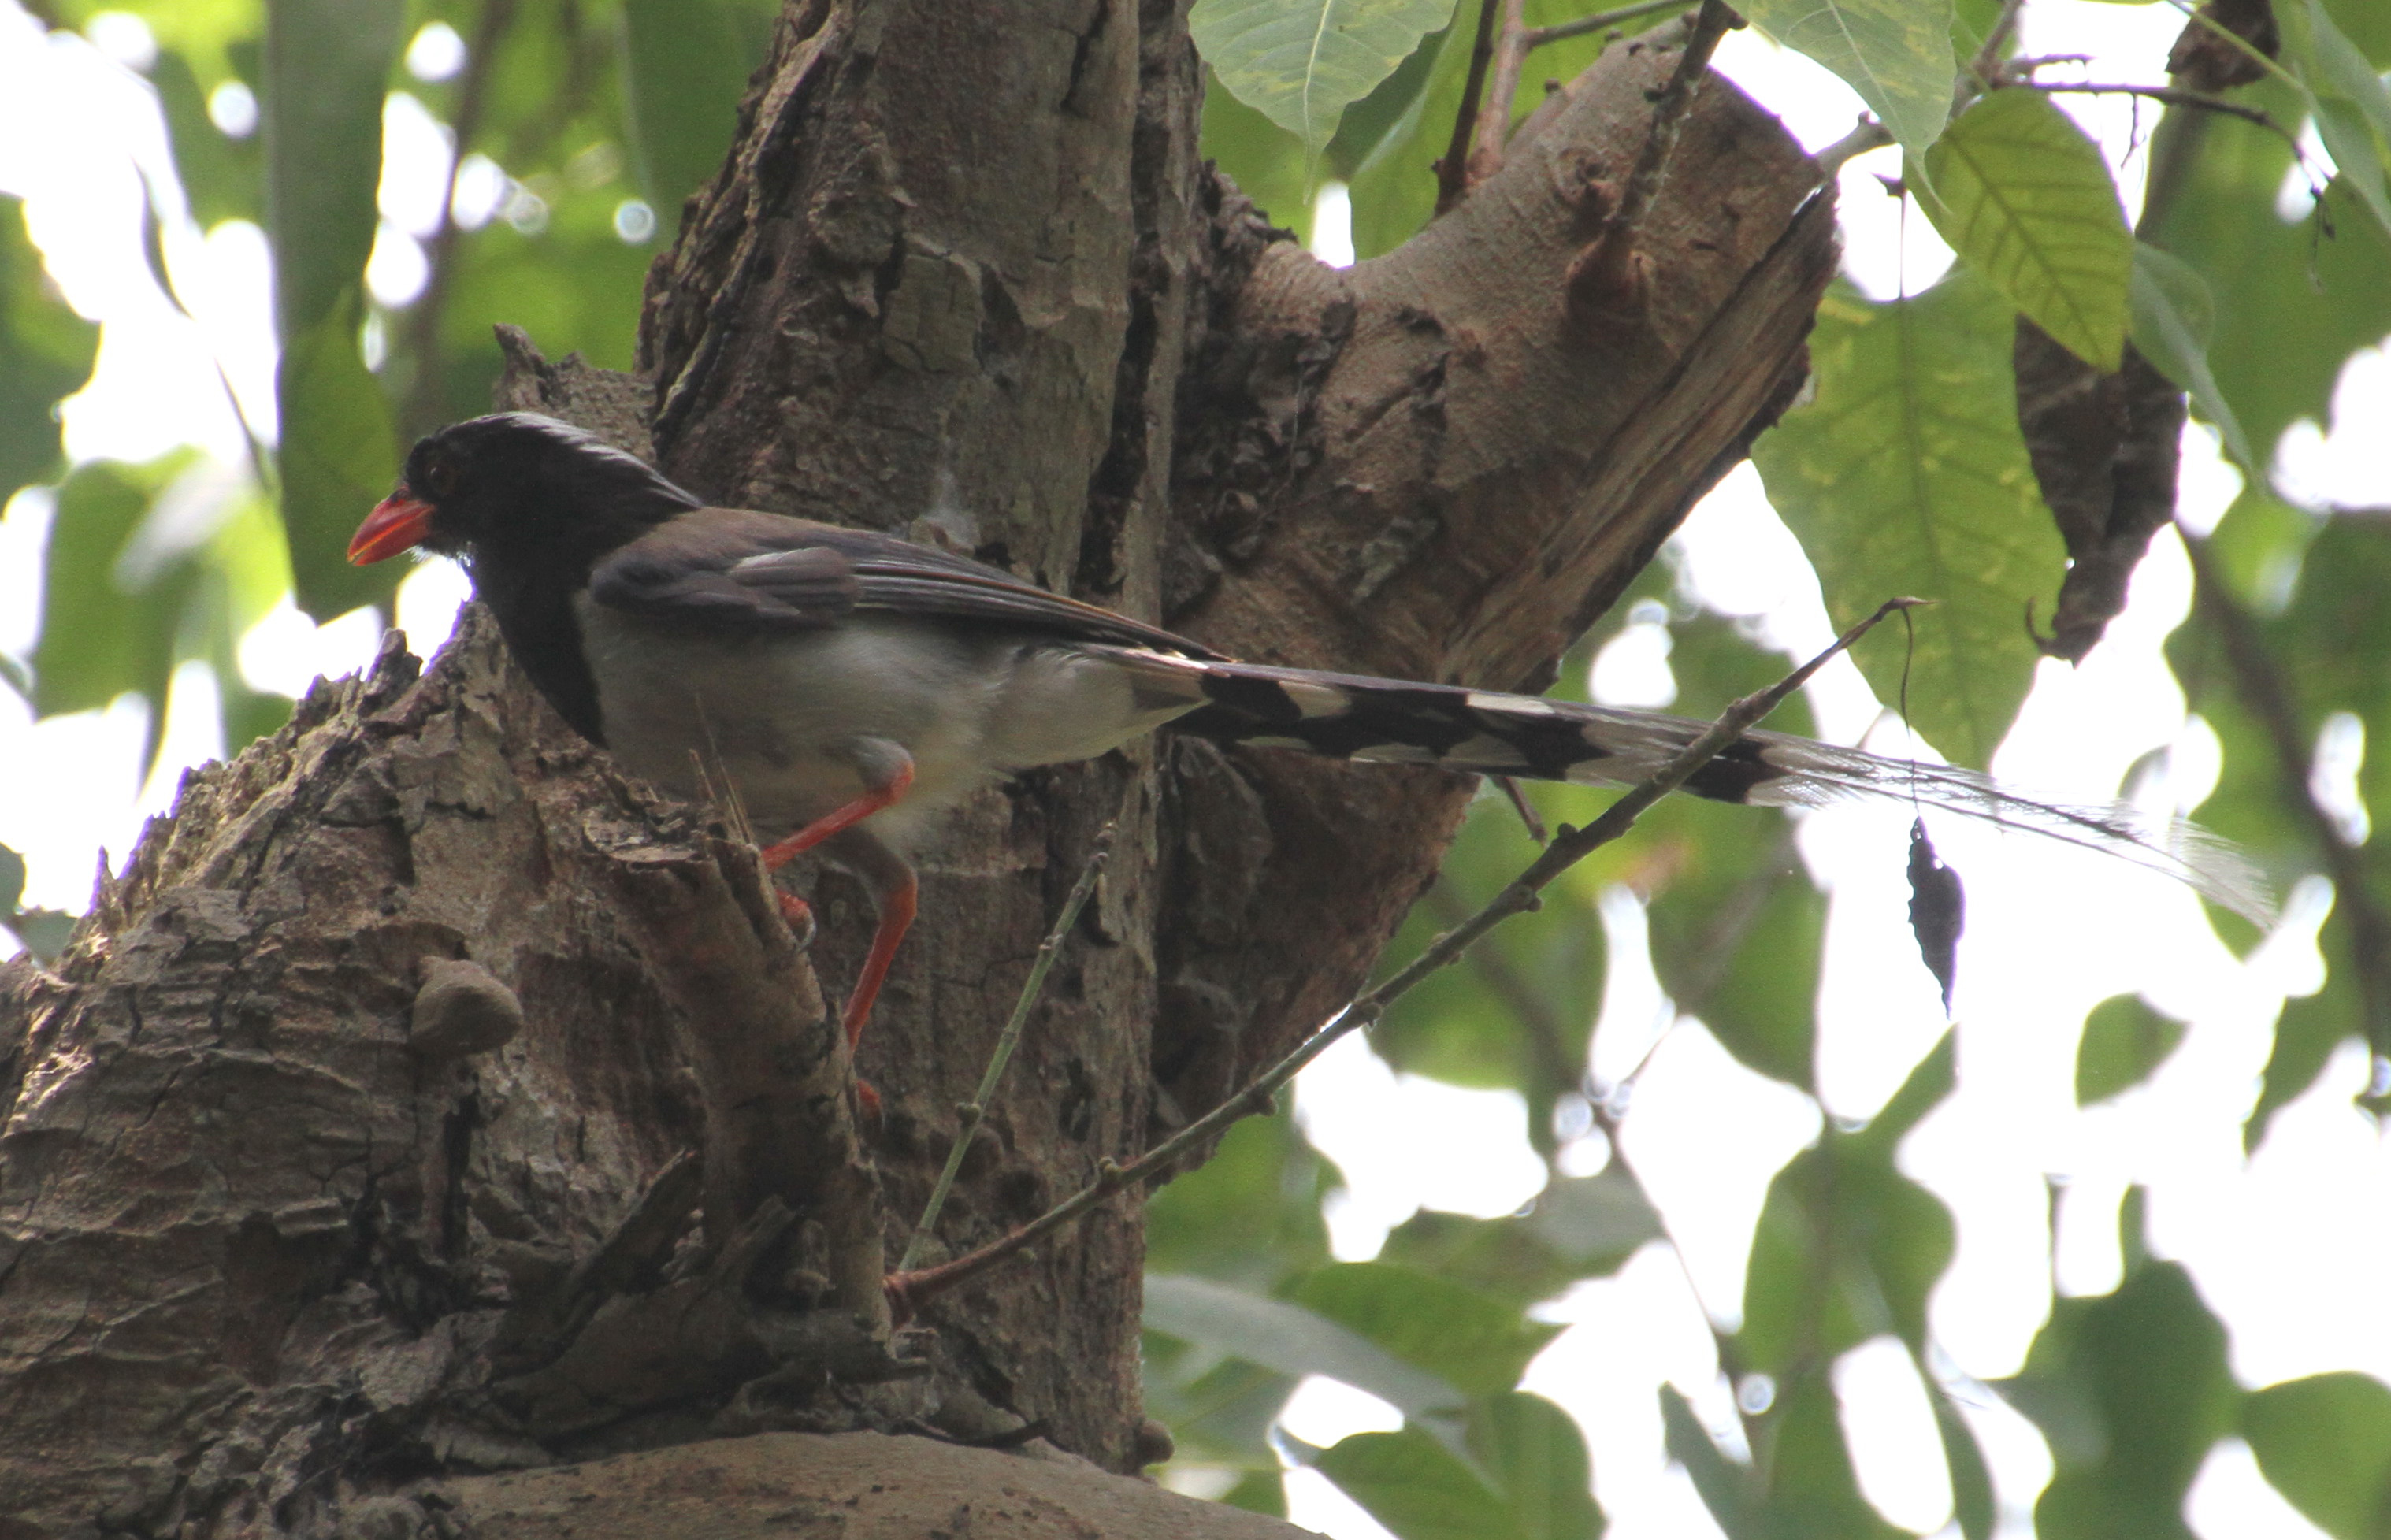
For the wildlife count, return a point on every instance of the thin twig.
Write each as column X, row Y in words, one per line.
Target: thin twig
column 1868, row 134
column 1561, row 32
column 1986, row 66
column 1502, row 89
column 1605, row 279
column 2174, row 95
column 1452, row 172
column 908, row 1291
column 976, row 1110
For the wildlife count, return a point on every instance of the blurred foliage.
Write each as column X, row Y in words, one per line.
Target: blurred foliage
column 583, row 124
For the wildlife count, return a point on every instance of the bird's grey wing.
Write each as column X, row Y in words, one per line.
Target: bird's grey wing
column 733, row 569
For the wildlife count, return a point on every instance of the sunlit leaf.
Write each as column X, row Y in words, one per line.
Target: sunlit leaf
column 2124, row 1042
column 1300, row 63
column 112, row 610
column 1848, row 1248
column 2171, row 317
column 1533, row 1484
column 327, row 63
column 1812, row 1493
column 1906, row 475
column 2025, row 199
column 2131, row 1390
column 1578, row 1227
column 2293, row 300
column 1289, row 1338
column 1897, row 54
column 45, row 354
column 340, row 456
column 1474, row 1341
column 2325, row 1444
column 221, row 175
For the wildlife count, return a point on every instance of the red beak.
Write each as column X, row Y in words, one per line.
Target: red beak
column 398, row 522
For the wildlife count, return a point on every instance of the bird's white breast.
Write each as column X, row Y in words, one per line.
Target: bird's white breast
column 786, row 718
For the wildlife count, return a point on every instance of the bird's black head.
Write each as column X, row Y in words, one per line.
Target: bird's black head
column 517, row 493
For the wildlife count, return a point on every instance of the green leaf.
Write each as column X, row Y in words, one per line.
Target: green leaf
column 2124, row 1041
column 1537, row 1459
column 1847, row 1248
column 112, row 609
column 1578, row 1227
column 1728, row 1490
column 1289, row 1338
column 2131, row 1391
column 327, row 63
column 1415, row 1486
column 1265, row 161
column 2025, row 199
column 45, row 354
column 1906, row 475
column 1250, row 1215
column 2171, row 316
column 1811, row 1491
column 1972, row 1504
column 1533, row 1484
column 340, row 456
column 2296, row 302
column 12, row 881
column 1393, row 175
column 1300, row 63
column 2353, row 111
column 1897, row 54
column 222, row 176
column 2325, row 1444
column 685, row 65
column 1475, row 1342
column 2306, row 1033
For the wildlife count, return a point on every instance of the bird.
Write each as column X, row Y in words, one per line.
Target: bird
column 848, row 686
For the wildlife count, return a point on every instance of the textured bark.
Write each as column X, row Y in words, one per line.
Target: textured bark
column 294, row 1233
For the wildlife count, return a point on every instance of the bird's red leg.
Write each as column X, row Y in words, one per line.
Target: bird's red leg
column 781, row 852
column 887, row 873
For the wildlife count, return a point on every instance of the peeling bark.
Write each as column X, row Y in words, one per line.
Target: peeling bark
column 273, row 1261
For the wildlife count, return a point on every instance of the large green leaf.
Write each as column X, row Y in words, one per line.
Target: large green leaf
column 685, row 65
column 1578, row 1227
column 1277, row 1335
column 1897, row 54
column 2125, row 1042
column 222, row 176
column 2025, row 199
column 1250, row 1215
column 2325, row 1444
column 2295, row 299
column 327, row 63
column 2131, row 1390
column 1847, row 1248
column 1906, row 475
column 46, row 355
column 1394, row 181
column 109, row 617
column 340, row 456
column 1300, row 63
column 2352, row 108
column 2171, row 317
column 1474, row 1341
column 1529, row 1480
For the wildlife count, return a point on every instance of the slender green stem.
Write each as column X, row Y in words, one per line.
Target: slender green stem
column 976, row 1110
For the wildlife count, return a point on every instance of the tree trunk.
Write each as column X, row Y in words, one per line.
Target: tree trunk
column 307, row 1221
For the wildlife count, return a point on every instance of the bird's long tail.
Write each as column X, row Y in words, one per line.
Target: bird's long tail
column 1349, row 716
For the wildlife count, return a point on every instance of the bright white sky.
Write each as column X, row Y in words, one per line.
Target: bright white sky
column 2050, row 931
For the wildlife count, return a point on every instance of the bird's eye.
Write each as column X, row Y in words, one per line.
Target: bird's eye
column 440, row 478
